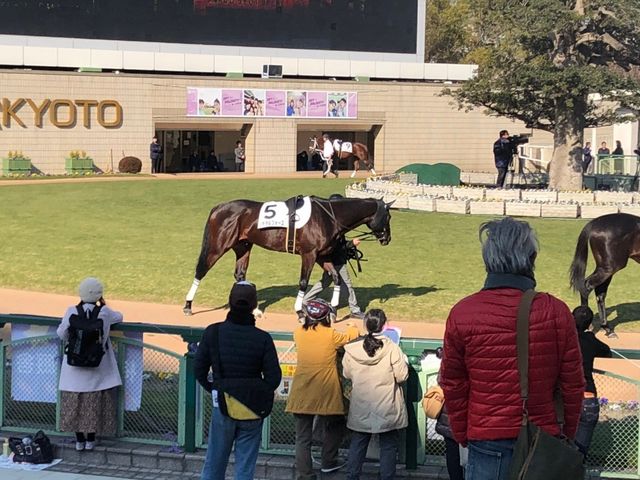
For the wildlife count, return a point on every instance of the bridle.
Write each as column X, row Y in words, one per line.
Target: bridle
column 364, row 236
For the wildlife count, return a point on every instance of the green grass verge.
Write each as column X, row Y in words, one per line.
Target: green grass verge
column 143, row 238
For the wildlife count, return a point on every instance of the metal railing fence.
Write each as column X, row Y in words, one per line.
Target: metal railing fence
column 161, row 403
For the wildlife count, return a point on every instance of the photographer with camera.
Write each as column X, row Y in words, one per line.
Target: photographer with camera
column 502, row 154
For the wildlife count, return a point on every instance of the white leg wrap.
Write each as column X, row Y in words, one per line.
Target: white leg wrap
column 298, row 304
column 353, row 174
column 335, row 298
column 193, row 290
column 373, row 172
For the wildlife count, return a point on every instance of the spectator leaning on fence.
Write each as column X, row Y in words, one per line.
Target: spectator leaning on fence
column 316, row 388
column 244, row 362
column 376, row 367
column 89, row 394
column 591, row 349
column 479, row 373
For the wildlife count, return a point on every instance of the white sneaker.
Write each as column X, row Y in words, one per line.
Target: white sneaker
column 335, row 468
column 89, row 446
column 79, row 446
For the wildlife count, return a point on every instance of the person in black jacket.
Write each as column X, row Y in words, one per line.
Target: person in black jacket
column 155, row 152
column 591, row 349
column 345, row 250
column 248, row 356
column 502, row 154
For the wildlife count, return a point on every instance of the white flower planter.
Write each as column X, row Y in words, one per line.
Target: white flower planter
column 422, row 203
column 482, row 178
column 522, row 209
column 576, row 197
column 468, row 192
column 465, row 177
column 408, row 178
column 478, row 207
column 412, row 189
column 595, row 211
column 500, row 194
column 559, row 210
column 633, row 209
column 437, row 190
column 539, row 195
column 444, row 205
column 613, row 197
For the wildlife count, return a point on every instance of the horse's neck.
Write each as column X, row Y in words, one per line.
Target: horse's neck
column 352, row 216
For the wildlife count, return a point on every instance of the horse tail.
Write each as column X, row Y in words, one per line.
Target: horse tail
column 579, row 264
column 202, row 267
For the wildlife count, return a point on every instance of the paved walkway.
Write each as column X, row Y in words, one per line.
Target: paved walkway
column 37, row 303
column 48, row 475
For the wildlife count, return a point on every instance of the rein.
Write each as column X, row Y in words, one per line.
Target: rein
column 365, row 236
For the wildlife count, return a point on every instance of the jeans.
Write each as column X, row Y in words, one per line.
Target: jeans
column 333, row 428
column 489, row 459
column 588, row 421
column 345, row 283
column 452, row 453
column 223, row 433
column 388, row 454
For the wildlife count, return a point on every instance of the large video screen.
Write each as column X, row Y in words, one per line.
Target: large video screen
column 352, row 25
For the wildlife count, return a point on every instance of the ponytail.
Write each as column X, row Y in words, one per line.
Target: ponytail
column 375, row 320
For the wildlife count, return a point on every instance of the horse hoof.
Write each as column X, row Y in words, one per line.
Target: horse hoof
column 187, row 312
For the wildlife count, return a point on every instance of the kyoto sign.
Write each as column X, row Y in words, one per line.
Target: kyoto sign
column 60, row 113
column 255, row 102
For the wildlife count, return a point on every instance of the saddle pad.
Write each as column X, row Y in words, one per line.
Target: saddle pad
column 276, row 215
column 346, row 146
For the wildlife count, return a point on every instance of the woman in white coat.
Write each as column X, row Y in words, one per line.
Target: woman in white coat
column 376, row 367
column 89, row 394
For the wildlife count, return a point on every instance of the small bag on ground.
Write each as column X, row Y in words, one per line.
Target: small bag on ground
column 36, row 449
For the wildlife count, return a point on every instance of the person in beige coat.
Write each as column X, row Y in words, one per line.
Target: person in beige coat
column 316, row 388
column 377, row 367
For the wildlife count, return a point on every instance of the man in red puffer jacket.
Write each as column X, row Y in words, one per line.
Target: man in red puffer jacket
column 479, row 372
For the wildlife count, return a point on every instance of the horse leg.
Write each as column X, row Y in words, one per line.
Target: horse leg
column 243, row 251
column 356, row 166
column 601, row 294
column 308, row 260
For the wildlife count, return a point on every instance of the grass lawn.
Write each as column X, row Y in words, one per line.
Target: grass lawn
column 143, row 238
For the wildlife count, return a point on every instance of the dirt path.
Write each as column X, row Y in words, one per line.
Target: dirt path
column 37, row 303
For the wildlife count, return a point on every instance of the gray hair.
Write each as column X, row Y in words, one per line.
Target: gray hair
column 508, row 246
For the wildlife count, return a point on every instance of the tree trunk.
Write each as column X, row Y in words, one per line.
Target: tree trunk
column 565, row 170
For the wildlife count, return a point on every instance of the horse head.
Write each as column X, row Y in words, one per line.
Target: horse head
column 380, row 223
column 313, row 144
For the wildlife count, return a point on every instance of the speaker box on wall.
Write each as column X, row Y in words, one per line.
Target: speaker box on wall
column 272, row 71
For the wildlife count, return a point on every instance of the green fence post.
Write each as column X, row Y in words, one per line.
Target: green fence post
column 190, row 404
column 2, row 387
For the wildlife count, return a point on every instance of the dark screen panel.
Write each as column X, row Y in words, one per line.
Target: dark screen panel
column 356, row 25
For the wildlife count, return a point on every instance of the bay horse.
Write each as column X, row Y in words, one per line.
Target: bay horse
column 359, row 153
column 614, row 239
column 233, row 226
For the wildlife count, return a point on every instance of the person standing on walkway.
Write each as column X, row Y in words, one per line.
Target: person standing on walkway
column 88, row 394
column 591, row 349
column 479, row 371
column 316, row 390
column 155, row 152
column 502, row 155
column 377, row 368
column 235, row 349
column 240, row 157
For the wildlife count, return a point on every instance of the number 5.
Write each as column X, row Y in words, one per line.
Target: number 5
column 270, row 211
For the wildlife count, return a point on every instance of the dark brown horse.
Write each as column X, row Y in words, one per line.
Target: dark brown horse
column 614, row 239
column 359, row 153
column 234, row 226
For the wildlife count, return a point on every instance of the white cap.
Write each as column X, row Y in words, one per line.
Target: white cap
column 90, row 290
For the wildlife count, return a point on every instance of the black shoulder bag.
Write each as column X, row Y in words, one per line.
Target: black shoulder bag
column 240, row 398
column 536, row 454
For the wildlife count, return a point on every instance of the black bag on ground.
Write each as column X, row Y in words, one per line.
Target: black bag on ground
column 536, row 454
column 85, row 345
column 38, row 451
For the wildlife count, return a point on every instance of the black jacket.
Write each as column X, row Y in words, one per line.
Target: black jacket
column 343, row 252
column 155, row 151
column 591, row 348
column 246, row 352
column 502, row 152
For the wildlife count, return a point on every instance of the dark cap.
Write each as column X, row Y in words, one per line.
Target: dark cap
column 243, row 297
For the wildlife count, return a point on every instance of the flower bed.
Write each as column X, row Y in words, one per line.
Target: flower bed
column 576, row 197
column 613, row 197
column 559, row 210
column 472, row 193
column 448, row 205
column 437, row 190
column 522, row 209
column 540, row 195
column 479, row 207
column 501, row 194
column 422, row 203
column 595, row 211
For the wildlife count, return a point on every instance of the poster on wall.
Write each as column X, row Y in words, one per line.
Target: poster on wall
column 252, row 102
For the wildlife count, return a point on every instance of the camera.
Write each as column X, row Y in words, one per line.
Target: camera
column 519, row 139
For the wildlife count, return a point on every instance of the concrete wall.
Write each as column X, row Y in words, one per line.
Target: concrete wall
column 415, row 123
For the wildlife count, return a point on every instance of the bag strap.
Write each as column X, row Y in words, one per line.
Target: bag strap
column 522, row 348
column 522, row 345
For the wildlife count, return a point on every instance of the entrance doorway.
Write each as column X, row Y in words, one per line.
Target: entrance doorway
column 312, row 161
column 197, row 150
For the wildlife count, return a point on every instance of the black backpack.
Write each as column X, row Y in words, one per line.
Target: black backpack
column 85, row 346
